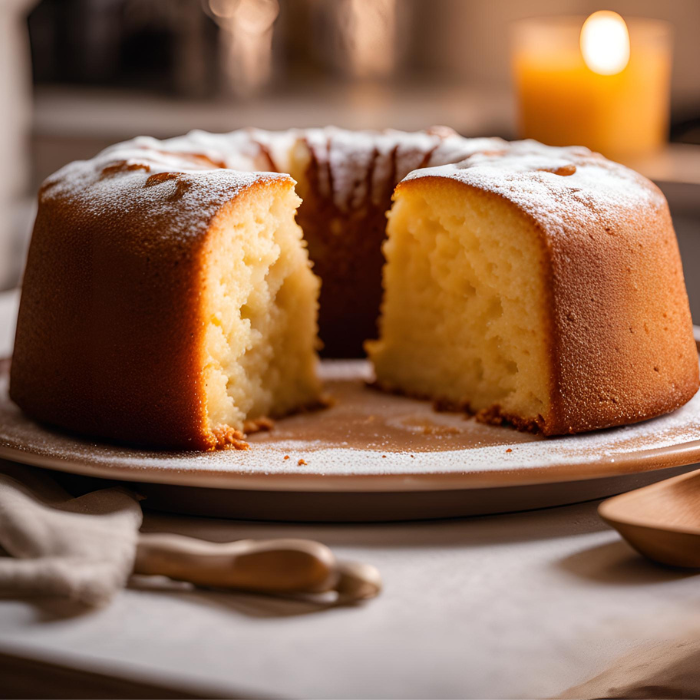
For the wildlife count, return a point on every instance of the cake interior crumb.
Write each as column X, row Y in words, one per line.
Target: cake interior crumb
column 260, row 308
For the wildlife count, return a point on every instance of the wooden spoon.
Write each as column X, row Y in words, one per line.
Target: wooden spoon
column 661, row 521
column 284, row 566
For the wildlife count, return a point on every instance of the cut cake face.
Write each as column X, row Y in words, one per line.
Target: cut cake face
column 464, row 319
column 261, row 300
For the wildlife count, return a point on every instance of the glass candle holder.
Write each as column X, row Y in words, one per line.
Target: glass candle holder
column 588, row 87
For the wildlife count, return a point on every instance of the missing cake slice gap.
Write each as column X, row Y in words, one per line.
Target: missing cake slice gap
column 464, row 319
column 260, row 301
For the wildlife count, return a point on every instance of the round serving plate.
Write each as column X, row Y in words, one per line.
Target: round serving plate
column 371, row 456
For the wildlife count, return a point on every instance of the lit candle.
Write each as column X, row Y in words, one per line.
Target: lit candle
column 598, row 83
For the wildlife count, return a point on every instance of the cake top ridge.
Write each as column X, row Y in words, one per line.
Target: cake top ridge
column 356, row 167
column 553, row 184
column 353, row 167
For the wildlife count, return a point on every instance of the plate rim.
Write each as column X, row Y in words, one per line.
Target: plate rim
column 627, row 464
column 621, row 464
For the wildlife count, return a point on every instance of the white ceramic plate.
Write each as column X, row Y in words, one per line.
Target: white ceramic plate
column 372, row 456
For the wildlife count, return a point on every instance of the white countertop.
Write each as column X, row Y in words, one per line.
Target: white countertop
column 521, row 605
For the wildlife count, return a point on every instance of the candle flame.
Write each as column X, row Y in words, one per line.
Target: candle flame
column 605, row 43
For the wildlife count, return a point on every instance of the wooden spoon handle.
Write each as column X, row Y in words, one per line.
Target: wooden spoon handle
column 357, row 581
column 268, row 566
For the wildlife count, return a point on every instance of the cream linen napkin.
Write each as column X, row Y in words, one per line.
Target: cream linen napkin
column 81, row 548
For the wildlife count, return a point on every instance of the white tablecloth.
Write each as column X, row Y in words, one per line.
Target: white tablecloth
column 522, row 605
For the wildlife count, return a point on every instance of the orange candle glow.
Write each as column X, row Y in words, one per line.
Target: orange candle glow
column 602, row 83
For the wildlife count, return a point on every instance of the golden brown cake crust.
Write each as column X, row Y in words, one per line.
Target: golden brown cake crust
column 110, row 330
column 621, row 336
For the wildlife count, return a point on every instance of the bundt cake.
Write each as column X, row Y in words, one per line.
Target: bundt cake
column 169, row 300
column 539, row 286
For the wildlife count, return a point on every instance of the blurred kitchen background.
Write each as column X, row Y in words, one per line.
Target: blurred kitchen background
column 78, row 75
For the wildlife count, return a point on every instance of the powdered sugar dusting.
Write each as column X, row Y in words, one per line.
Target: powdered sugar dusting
column 551, row 184
column 387, row 435
column 350, row 158
column 353, row 167
column 356, row 166
column 154, row 183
